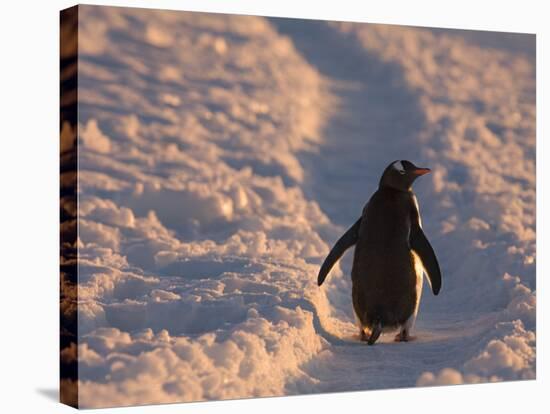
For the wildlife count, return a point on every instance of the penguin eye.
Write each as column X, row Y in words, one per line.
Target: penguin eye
column 402, row 172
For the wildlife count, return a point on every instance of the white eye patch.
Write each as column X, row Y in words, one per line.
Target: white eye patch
column 399, row 167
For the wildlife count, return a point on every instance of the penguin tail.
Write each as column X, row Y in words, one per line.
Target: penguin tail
column 375, row 333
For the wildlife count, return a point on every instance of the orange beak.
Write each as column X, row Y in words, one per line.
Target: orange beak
column 421, row 171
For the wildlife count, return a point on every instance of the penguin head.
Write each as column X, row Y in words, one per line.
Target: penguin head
column 401, row 175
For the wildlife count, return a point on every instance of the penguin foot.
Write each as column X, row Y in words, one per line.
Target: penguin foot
column 375, row 334
column 404, row 336
column 363, row 336
column 400, row 338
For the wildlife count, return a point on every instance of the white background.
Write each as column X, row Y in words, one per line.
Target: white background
column 29, row 136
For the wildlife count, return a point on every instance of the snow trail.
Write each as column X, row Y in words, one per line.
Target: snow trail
column 376, row 119
column 386, row 111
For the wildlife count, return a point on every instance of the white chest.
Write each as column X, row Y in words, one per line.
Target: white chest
column 419, row 271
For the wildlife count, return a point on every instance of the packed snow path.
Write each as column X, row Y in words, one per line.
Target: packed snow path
column 371, row 102
column 376, row 118
column 221, row 157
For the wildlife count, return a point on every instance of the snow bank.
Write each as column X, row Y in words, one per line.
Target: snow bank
column 195, row 237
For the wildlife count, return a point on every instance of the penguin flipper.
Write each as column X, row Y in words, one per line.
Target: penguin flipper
column 345, row 242
column 423, row 248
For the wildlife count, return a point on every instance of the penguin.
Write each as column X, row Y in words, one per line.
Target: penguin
column 391, row 256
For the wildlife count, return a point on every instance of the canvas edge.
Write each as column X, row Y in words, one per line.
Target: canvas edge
column 68, row 174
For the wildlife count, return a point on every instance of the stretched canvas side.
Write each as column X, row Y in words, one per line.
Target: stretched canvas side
column 68, row 114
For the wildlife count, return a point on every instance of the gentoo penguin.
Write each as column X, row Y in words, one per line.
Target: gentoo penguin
column 391, row 255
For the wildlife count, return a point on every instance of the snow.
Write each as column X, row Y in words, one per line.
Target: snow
column 220, row 158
